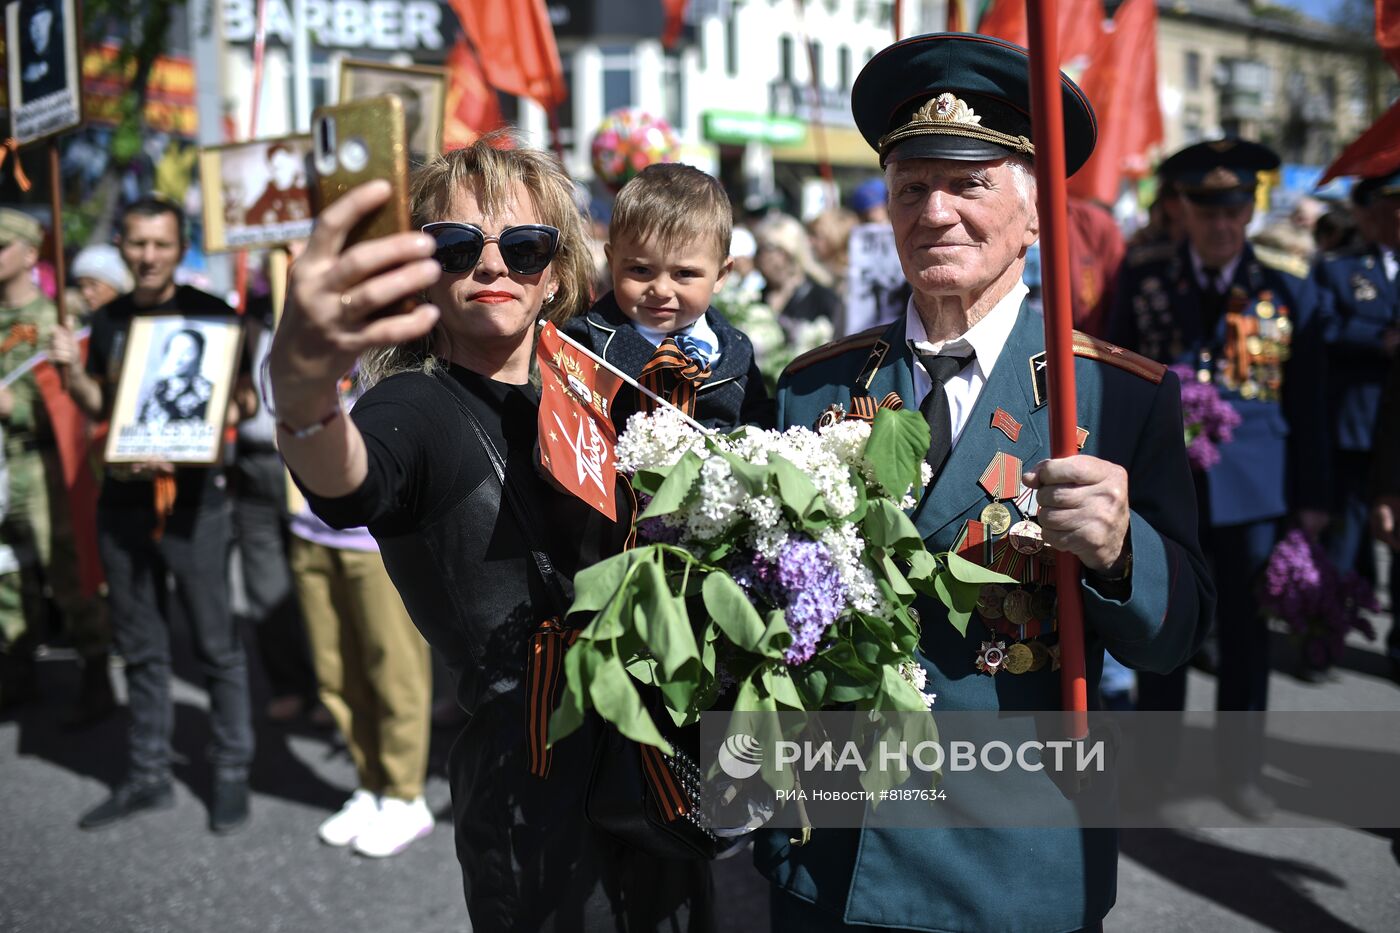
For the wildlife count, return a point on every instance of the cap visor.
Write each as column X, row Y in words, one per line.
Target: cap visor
column 946, row 146
column 1230, row 198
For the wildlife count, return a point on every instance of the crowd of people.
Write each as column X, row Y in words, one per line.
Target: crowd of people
column 416, row 515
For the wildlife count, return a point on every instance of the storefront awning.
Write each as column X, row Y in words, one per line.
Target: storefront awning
column 844, row 146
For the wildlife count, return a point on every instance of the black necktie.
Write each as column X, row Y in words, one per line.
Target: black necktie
column 1212, row 301
column 935, row 405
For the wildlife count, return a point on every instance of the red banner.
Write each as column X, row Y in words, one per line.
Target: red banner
column 575, row 424
column 1121, row 83
column 1388, row 30
column 1080, row 27
column 472, row 107
column 515, row 43
column 675, row 19
column 79, row 455
column 1375, row 152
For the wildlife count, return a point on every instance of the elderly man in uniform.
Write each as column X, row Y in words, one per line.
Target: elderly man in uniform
column 1215, row 307
column 1360, row 307
column 948, row 114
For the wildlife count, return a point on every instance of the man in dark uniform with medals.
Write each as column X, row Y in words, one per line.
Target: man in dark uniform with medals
column 949, row 116
column 1252, row 330
column 1360, row 307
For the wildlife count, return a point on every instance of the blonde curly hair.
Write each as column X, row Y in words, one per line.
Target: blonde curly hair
column 489, row 168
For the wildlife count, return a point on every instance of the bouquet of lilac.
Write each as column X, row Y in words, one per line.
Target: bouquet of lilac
column 775, row 569
column 1208, row 419
column 1319, row 604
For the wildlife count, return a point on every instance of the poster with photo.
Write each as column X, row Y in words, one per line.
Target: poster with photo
column 43, row 68
column 255, row 193
column 422, row 90
column 172, row 399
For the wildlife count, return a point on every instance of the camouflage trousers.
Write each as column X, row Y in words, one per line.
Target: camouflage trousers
column 38, row 528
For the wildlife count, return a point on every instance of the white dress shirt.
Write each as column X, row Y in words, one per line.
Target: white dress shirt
column 700, row 330
column 985, row 338
column 1389, row 263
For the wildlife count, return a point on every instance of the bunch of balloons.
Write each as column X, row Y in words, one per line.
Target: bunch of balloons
column 627, row 141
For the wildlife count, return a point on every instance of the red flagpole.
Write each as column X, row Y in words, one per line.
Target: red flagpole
column 1047, row 128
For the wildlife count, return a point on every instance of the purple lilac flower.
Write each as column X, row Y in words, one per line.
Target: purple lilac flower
column 1319, row 604
column 805, row 584
column 1207, row 419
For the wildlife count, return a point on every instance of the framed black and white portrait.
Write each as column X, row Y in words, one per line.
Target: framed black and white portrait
column 176, row 380
column 422, row 89
column 255, row 193
column 43, row 67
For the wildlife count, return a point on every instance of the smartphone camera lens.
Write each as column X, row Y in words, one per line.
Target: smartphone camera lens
column 354, row 155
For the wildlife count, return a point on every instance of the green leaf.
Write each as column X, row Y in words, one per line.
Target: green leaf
column 573, row 698
column 617, row 700
column 661, row 621
column 954, row 596
column 781, row 688
column 886, row 526
column 897, row 581
column 922, row 566
column 966, row 571
column 795, row 489
column 898, row 444
column 596, row 586
column 673, row 492
column 752, row 476
column 731, row 610
column 777, row 637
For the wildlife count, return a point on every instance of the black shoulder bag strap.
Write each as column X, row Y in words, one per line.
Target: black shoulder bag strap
column 519, row 505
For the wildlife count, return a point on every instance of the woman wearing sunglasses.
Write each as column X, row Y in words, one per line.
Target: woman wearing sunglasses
column 501, row 244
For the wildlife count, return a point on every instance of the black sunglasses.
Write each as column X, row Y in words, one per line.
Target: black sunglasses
column 527, row 248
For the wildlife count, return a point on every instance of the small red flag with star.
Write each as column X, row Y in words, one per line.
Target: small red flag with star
column 575, row 424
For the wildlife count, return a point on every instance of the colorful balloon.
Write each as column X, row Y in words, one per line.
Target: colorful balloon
column 627, row 141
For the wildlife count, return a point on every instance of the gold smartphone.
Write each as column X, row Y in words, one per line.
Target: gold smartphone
column 356, row 142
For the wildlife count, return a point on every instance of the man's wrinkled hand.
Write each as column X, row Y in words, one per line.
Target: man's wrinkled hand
column 1084, row 510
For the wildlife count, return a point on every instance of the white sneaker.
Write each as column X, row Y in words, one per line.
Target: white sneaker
column 398, row 825
column 354, row 818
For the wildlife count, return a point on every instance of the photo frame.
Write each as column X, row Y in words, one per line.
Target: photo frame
column 176, row 380
column 43, row 68
column 255, row 193
column 422, row 89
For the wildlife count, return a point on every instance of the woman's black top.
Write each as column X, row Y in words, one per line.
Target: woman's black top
column 457, row 556
column 810, row 301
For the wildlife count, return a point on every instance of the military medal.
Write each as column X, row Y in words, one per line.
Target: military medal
column 1019, row 659
column 1026, row 537
column 1040, row 655
column 997, row 518
column 1002, row 477
column 1043, row 604
column 990, row 599
column 1264, row 309
column 834, row 414
column 1003, row 422
column 1054, row 651
column 1017, row 607
column 991, row 657
column 1363, row 290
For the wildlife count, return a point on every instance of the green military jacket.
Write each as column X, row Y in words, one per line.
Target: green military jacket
column 1129, row 412
column 24, row 331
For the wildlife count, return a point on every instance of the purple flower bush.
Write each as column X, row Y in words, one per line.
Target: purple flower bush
column 1319, row 604
column 1207, row 419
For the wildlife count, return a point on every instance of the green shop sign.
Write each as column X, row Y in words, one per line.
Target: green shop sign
column 725, row 126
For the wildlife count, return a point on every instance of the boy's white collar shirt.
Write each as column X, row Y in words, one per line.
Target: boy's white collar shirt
column 700, row 330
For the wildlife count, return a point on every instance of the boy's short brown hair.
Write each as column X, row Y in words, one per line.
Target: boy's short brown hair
column 671, row 203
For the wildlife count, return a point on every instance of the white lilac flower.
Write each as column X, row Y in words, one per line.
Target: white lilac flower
column 846, row 547
column 917, row 677
column 715, row 507
column 656, row 441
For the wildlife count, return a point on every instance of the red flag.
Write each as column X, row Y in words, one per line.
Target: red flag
column 76, row 454
column 957, row 22
column 1375, row 152
column 576, row 430
column 515, row 42
column 675, row 18
column 1121, row 83
column 472, row 107
column 1080, row 28
column 1388, row 30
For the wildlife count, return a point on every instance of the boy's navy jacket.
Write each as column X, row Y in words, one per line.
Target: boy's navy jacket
column 735, row 394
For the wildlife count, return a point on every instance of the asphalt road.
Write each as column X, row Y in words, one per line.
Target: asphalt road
column 165, row 872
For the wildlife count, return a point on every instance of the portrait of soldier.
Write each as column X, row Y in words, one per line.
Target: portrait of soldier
column 180, row 392
column 43, row 64
column 284, row 199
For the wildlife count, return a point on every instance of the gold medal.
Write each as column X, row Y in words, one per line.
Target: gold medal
column 1026, row 537
column 1285, row 327
column 1250, row 389
column 1017, row 607
column 997, row 518
column 1040, row 655
column 1254, row 346
column 1018, row 659
column 990, row 600
column 1264, row 309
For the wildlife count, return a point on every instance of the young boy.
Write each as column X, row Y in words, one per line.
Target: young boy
column 668, row 249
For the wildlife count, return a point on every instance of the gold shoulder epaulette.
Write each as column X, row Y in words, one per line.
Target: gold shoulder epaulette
column 1284, row 262
column 1092, row 348
column 860, row 341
